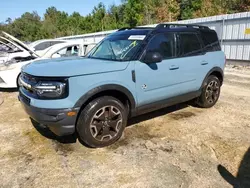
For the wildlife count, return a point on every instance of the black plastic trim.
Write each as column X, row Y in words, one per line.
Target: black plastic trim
column 166, row 102
column 133, row 76
column 56, row 120
column 215, row 69
column 103, row 88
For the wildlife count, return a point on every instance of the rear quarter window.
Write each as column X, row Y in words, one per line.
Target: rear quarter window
column 211, row 41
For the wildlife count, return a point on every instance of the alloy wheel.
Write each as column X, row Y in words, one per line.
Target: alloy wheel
column 106, row 123
column 212, row 91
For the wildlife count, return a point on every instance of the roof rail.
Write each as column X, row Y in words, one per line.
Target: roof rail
column 166, row 26
column 169, row 25
column 140, row 27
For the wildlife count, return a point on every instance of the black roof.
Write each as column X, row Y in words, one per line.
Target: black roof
column 160, row 28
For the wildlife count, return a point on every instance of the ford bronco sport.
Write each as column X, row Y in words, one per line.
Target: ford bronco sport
column 131, row 72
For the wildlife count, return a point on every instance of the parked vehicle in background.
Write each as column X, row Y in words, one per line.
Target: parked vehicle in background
column 41, row 46
column 10, row 70
column 13, row 48
column 130, row 72
column 68, row 49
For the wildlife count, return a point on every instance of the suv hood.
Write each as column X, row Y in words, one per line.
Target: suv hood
column 67, row 67
column 19, row 44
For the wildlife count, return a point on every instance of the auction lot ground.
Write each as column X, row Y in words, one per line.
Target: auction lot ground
column 175, row 147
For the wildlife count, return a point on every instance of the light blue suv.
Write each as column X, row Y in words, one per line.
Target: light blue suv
column 131, row 72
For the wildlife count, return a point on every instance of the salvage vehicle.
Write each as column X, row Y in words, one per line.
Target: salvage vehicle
column 10, row 70
column 14, row 48
column 131, row 72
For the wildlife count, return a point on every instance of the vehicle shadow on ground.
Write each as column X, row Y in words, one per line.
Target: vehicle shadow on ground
column 44, row 131
column 73, row 138
column 157, row 113
column 242, row 180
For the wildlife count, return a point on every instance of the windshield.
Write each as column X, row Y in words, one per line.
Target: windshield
column 117, row 48
column 8, row 48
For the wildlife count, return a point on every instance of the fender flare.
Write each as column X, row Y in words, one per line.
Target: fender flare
column 215, row 69
column 84, row 98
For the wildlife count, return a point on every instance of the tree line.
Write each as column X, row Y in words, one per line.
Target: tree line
column 129, row 13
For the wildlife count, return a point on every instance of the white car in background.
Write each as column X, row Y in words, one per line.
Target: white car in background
column 10, row 70
column 41, row 46
column 38, row 47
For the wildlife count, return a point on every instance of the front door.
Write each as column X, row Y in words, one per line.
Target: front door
column 158, row 81
column 174, row 76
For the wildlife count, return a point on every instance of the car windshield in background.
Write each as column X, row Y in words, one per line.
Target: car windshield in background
column 9, row 48
column 117, row 48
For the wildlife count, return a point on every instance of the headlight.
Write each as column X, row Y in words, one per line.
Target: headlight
column 51, row 89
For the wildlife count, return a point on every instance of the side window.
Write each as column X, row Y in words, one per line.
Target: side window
column 211, row 41
column 189, row 45
column 42, row 46
column 68, row 51
column 164, row 44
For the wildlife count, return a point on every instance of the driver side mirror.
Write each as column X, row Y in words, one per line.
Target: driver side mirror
column 152, row 57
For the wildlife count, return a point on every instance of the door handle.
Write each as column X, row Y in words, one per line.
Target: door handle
column 173, row 67
column 204, row 63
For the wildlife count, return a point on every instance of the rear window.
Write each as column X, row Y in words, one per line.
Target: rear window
column 211, row 41
column 55, row 42
column 42, row 46
column 47, row 44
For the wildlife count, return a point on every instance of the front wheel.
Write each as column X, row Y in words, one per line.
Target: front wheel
column 210, row 92
column 101, row 122
column 18, row 81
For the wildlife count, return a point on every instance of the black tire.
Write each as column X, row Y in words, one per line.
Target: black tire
column 210, row 92
column 17, row 81
column 101, row 122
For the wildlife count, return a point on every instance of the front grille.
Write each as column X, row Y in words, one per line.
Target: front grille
column 25, row 99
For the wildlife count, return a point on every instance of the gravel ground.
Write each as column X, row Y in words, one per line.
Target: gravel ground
column 177, row 147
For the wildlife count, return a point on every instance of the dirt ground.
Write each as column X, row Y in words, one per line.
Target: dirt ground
column 177, row 147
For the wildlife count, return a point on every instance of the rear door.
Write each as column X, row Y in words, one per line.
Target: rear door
column 191, row 60
column 214, row 56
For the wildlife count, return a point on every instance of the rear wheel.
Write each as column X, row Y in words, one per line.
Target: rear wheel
column 101, row 122
column 210, row 92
